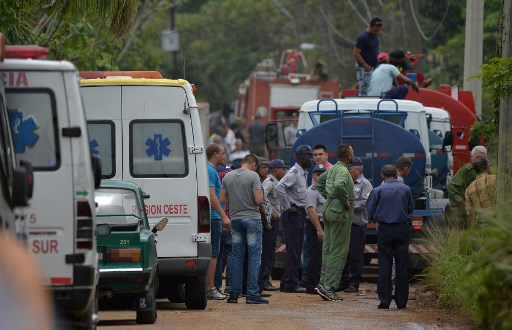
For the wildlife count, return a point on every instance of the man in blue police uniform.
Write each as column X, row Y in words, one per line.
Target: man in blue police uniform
column 391, row 205
column 292, row 194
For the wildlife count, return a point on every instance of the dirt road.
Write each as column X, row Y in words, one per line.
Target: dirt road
column 298, row 311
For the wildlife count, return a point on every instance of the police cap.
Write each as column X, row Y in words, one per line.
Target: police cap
column 304, row 150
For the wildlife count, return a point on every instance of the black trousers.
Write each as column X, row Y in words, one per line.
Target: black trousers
column 393, row 242
column 293, row 227
column 353, row 270
column 315, row 256
column 268, row 253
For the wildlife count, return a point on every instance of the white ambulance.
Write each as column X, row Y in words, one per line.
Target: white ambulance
column 147, row 131
column 50, row 132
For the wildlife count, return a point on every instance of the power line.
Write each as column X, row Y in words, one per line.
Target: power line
column 418, row 24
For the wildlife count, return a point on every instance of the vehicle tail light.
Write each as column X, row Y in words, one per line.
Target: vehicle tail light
column 84, row 226
column 417, row 223
column 124, row 255
column 203, row 214
column 25, row 51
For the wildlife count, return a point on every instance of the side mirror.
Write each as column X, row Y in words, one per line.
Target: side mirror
column 160, row 225
column 271, row 136
column 103, row 229
column 146, row 196
column 448, row 140
column 96, row 170
column 22, row 187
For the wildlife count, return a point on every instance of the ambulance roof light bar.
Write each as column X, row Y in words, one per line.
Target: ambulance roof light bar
column 26, row 52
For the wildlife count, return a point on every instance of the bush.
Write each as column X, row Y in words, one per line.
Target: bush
column 472, row 272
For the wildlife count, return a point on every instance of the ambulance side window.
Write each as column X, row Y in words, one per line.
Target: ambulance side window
column 6, row 152
column 158, row 149
column 34, row 127
column 102, row 144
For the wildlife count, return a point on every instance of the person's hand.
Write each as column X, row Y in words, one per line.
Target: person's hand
column 226, row 222
column 268, row 226
column 347, row 205
column 320, row 234
column 367, row 68
column 415, row 87
column 294, row 209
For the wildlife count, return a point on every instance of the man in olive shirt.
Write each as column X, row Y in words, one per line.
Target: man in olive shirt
column 337, row 187
column 458, row 185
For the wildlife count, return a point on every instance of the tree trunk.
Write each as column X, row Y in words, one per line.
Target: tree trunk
column 505, row 125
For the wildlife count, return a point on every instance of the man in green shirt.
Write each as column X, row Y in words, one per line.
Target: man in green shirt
column 458, row 184
column 337, row 187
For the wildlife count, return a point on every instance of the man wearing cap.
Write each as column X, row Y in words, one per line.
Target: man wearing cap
column 391, row 205
column 291, row 192
column 382, row 79
column 365, row 53
column 353, row 270
column 314, row 231
column 277, row 170
column 337, row 187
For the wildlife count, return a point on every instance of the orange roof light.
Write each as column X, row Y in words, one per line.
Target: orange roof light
column 133, row 74
column 25, row 52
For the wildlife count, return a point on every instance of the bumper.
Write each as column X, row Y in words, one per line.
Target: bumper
column 76, row 299
column 125, row 280
column 187, row 266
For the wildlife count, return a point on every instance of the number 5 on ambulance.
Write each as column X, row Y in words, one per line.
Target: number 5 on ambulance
column 49, row 130
column 146, row 130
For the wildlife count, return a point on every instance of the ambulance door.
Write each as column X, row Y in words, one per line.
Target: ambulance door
column 103, row 113
column 158, row 132
column 38, row 114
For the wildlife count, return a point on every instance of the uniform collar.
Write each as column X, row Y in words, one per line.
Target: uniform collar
column 299, row 168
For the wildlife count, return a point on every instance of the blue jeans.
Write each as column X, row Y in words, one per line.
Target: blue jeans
column 363, row 79
column 223, row 260
column 246, row 231
column 399, row 92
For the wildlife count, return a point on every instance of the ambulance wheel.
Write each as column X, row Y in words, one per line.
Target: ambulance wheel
column 195, row 293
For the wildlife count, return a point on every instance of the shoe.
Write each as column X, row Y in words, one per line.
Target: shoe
column 382, row 306
column 295, row 290
column 233, row 298
column 268, row 287
column 214, row 294
column 266, row 295
column 333, row 295
column 302, row 282
column 341, row 287
column 400, row 307
column 310, row 291
column 256, row 301
column 351, row 289
column 320, row 290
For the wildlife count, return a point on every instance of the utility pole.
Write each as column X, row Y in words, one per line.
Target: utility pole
column 473, row 50
column 175, row 71
column 505, row 126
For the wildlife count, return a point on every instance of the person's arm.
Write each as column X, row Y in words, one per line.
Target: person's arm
column 320, row 184
column 411, row 201
column 214, row 201
column 340, row 188
column 456, row 190
column 366, row 189
column 281, row 187
column 409, row 82
column 313, row 217
column 470, row 211
column 360, row 60
column 371, row 204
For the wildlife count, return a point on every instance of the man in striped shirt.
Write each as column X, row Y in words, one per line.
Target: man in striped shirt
column 481, row 193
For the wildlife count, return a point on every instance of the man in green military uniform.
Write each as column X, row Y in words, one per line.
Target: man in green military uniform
column 337, row 187
column 458, row 184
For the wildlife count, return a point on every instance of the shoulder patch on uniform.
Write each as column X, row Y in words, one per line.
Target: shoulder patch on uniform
column 295, row 171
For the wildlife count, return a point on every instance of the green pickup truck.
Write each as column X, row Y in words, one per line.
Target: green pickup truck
column 127, row 257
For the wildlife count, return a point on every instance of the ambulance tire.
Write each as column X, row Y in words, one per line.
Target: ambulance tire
column 149, row 316
column 195, row 293
column 90, row 318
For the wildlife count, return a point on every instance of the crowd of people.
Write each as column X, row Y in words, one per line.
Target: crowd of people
column 330, row 213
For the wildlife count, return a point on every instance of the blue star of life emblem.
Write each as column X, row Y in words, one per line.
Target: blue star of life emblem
column 158, row 147
column 93, row 144
column 23, row 130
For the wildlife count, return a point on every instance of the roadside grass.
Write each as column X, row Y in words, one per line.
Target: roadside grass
column 472, row 272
